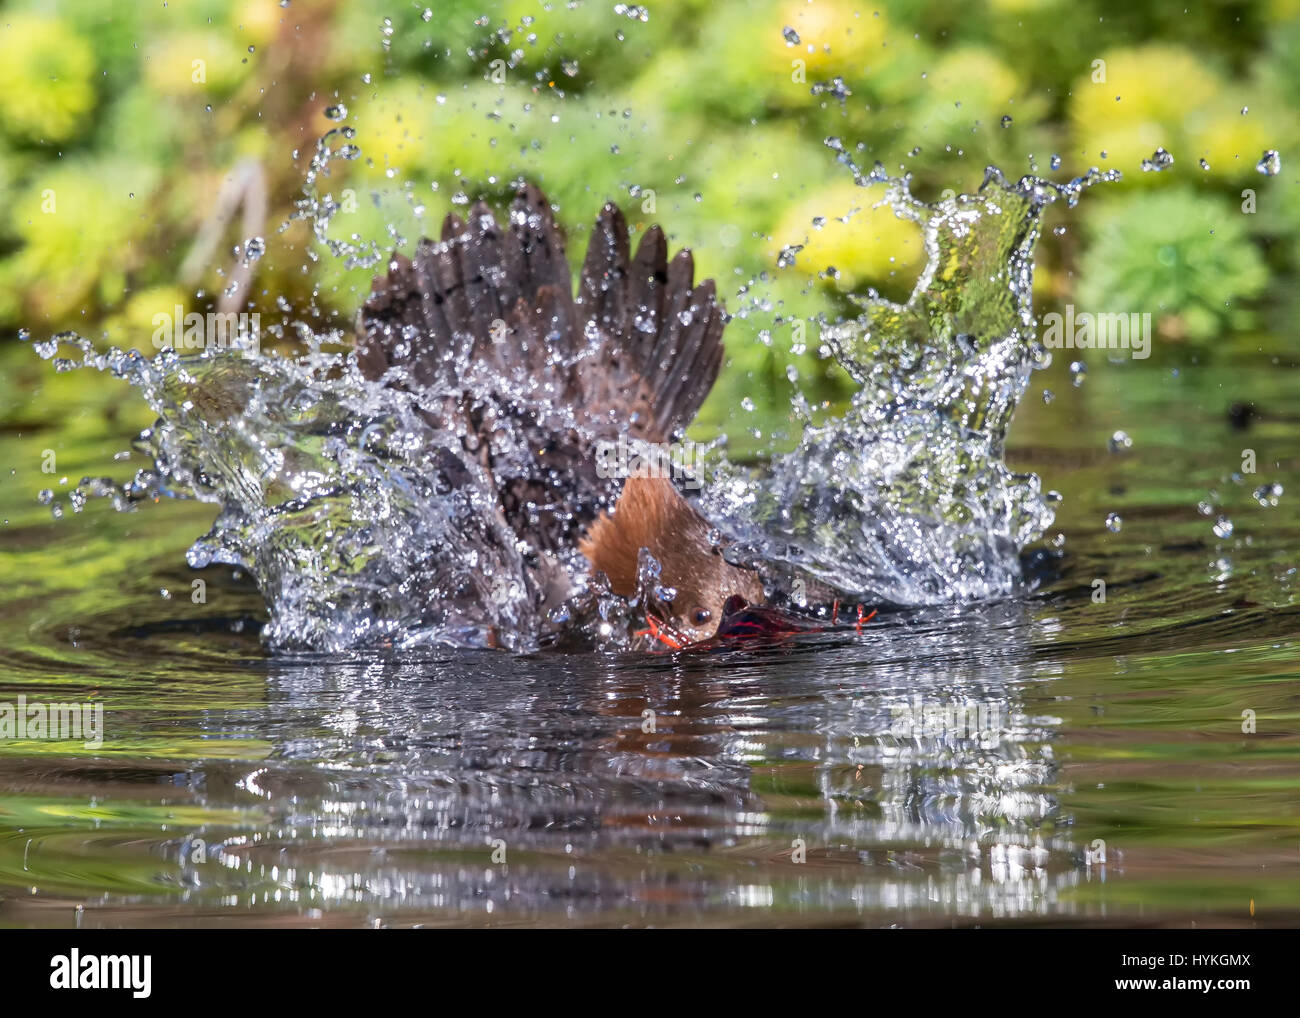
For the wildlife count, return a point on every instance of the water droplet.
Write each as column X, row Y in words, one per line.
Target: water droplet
column 1160, row 160
column 1055, row 162
column 1048, row 395
column 1270, row 163
column 791, row 36
column 747, row 405
column 1006, row 120
column 1120, row 441
column 786, row 258
column 1078, row 373
column 1223, row 527
column 1204, row 165
column 336, row 112
column 1267, row 495
column 254, row 248
column 1114, row 522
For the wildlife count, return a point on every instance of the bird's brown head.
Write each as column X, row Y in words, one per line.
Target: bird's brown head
column 652, row 514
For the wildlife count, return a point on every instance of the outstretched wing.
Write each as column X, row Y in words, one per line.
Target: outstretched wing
column 485, row 322
column 489, row 310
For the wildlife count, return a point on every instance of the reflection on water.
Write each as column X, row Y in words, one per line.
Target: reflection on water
column 481, row 785
column 550, row 768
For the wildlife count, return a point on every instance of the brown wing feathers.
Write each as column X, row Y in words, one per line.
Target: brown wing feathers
column 640, row 338
column 636, row 352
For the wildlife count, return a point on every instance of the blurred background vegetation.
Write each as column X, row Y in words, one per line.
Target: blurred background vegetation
column 120, row 124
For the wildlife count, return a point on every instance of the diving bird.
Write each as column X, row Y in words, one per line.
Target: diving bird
column 484, row 327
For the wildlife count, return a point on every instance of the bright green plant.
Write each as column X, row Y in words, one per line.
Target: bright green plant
column 45, row 80
column 1186, row 258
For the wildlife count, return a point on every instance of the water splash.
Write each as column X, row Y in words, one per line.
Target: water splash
column 907, row 497
column 334, row 496
column 331, row 496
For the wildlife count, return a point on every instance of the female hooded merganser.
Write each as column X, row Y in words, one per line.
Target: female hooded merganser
column 484, row 328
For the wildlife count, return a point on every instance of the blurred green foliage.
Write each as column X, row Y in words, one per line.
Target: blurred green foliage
column 120, row 122
column 1186, row 257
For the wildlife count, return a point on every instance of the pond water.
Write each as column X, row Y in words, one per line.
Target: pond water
column 1097, row 771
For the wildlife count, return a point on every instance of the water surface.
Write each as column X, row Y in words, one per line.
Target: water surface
column 774, row 786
